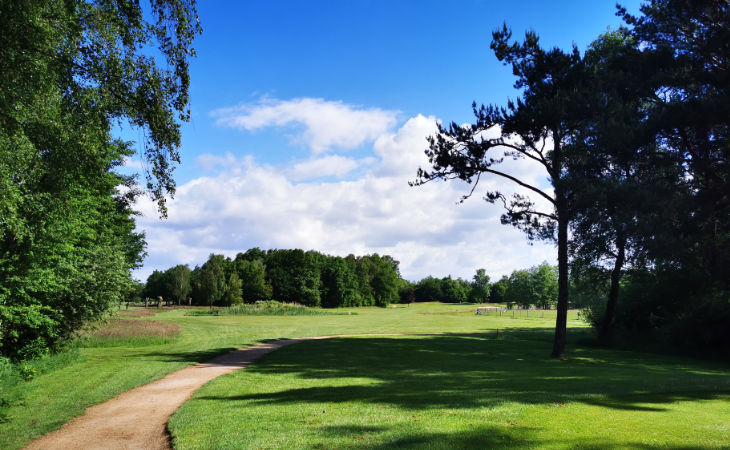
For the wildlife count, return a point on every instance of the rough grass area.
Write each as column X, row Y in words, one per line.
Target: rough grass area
column 135, row 312
column 465, row 391
column 120, row 332
column 266, row 308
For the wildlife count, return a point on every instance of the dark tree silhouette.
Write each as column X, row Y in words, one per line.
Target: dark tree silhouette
column 538, row 126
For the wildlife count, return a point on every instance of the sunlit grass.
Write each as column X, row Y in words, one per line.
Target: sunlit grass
column 100, row 373
column 90, row 375
column 266, row 308
column 459, row 391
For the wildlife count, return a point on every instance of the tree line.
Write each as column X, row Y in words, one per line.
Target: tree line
column 536, row 286
column 634, row 138
column 310, row 278
column 319, row 280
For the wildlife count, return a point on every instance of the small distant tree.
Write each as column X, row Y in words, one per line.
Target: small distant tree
column 406, row 291
column 233, row 295
column 212, row 280
column 252, row 274
column 178, row 282
column 520, row 288
column 453, row 290
column 339, row 284
column 157, row 285
column 497, row 290
column 385, row 280
column 544, row 279
column 429, row 290
column 479, row 292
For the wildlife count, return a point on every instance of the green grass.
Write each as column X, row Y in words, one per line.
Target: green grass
column 290, row 390
column 97, row 374
column 266, row 308
column 459, row 391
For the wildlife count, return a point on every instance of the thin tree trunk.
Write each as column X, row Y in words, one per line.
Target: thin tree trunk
column 562, row 313
column 604, row 334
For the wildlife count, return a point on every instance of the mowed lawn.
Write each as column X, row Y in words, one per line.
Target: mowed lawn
column 456, row 381
column 459, row 391
column 67, row 384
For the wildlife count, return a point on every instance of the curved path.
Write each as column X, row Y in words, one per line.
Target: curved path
column 137, row 419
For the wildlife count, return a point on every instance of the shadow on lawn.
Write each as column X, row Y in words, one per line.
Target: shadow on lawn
column 484, row 370
column 482, row 436
column 194, row 356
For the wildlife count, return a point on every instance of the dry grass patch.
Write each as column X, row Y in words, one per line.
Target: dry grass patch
column 136, row 313
column 130, row 332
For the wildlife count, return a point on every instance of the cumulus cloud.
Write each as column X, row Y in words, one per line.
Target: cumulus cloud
column 327, row 166
column 245, row 204
column 326, row 124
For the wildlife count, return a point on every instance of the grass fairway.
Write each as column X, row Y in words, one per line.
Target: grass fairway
column 459, row 391
column 67, row 384
column 466, row 389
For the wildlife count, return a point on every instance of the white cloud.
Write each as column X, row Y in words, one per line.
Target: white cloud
column 326, row 124
column 246, row 205
column 331, row 165
column 132, row 163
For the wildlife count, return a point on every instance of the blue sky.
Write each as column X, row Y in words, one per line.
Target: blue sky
column 310, row 117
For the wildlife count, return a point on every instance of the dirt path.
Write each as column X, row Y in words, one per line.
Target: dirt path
column 137, row 419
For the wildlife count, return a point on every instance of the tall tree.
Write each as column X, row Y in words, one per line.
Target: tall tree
column 687, row 43
column 539, row 127
column 69, row 73
column 620, row 171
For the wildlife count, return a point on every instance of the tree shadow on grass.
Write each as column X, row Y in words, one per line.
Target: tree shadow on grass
column 483, row 370
column 192, row 356
column 481, row 436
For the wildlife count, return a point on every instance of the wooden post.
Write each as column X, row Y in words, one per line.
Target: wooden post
column 146, row 302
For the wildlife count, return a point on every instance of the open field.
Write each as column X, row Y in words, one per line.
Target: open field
column 89, row 375
column 465, row 387
column 458, row 391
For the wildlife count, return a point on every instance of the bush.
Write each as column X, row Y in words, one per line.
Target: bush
column 27, row 332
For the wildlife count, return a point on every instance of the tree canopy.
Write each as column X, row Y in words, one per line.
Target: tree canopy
column 70, row 72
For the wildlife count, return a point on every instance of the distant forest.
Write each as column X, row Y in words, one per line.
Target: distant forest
column 312, row 278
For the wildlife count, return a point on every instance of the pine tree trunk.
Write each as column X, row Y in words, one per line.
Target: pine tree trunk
column 604, row 334
column 562, row 318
